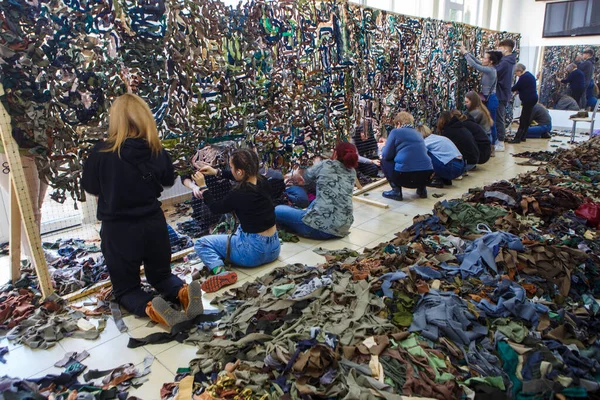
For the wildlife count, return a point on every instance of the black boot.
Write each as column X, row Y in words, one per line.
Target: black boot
column 394, row 194
column 447, row 182
column 436, row 183
column 422, row 192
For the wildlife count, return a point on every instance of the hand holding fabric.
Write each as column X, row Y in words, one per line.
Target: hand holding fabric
column 199, row 179
column 207, row 170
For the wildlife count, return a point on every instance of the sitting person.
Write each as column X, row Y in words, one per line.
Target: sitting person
column 452, row 128
column 299, row 193
column 366, row 144
column 543, row 123
column 256, row 241
column 330, row 215
column 481, row 138
column 405, row 162
column 479, row 112
column 592, row 96
column 564, row 102
column 448, row 163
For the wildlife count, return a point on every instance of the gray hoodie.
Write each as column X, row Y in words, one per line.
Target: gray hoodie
column 506, row 73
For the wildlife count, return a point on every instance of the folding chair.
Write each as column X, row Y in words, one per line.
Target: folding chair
column 588, row 120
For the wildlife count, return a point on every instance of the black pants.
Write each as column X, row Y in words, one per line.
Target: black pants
column 411, row 180
column 501, row 120
column 577, row 93
column 126, row 244
column 524, row 121
column 368, row 169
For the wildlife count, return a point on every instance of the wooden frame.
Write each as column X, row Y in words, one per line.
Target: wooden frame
column 21, row 211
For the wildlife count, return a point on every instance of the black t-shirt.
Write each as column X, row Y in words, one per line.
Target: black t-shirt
column 252, row 204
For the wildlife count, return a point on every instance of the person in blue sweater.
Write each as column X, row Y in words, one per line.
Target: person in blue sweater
column 506, row 72
column 527, row 89
column 448, row 163
column 576, row 81
column 405, row 162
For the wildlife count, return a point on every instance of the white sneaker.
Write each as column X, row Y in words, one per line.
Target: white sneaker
column 500, row 146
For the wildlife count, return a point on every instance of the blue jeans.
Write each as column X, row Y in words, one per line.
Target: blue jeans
column 452, row 170
column 298, row 196
column 246, row 249
column 290, row 218
column 536, row 132
column 492, row 105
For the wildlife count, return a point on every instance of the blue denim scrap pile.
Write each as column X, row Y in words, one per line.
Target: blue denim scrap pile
column 462, row 304
column 287, row 76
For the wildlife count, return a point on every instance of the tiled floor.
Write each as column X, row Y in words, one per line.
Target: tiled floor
column 372, row 225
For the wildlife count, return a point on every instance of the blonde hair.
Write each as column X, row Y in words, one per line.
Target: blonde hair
column 425, row 130
column 404, row 118
column 131, row 118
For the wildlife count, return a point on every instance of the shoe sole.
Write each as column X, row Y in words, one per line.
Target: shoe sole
column 216, row 282
column 195, row 306
column 171, row 316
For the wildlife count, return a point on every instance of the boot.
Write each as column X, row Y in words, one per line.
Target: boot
column 158, row 310
column 422, row 192
column 394, row 194
column 190, row 297
column 436, row 183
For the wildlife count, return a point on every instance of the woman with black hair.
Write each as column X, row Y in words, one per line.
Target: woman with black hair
column 255, row 242
column 489, row 80
column 366, row 144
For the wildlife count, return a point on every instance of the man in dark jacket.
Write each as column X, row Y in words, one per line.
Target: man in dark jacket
column 506, row 71
column 585, row 63
column 527, row 89
column 576, row 81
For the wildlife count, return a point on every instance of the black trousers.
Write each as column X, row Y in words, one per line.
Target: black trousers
column 126, row 244
column 368, row 169
column 577, row 93
column 524, row 121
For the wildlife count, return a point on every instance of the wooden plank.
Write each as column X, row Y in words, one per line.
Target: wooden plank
column 14, row 246
column 101, row 285
column 370, row 202
column 24, row 203
column 370, row 186
column 358, row 184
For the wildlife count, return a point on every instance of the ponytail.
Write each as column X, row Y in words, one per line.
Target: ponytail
column 347, row 154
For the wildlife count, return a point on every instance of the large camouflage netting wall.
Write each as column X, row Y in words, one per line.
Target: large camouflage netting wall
column 291, row 76
column 556, row 59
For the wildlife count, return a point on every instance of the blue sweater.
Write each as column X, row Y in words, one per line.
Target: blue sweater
column 442, row 148
column 576, row 80
column 406, row 147
column 527, row 88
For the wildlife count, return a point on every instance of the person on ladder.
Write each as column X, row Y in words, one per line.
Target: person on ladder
column 127, row 172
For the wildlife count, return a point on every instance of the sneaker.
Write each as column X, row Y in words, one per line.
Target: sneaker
column 500, row 146
column 216, row 282
column 190, row 297
column 160, row 311
column 393, row 194
column 422, row 192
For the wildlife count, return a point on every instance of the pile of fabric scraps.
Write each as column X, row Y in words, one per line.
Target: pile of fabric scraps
column 105, row 385
column 26, row 319
column 491, row 295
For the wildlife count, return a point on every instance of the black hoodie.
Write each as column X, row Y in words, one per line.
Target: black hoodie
column 118, row 181
column 481, row 138
column 463, row 139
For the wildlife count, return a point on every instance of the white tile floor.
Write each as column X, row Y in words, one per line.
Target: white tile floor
column 372, row 225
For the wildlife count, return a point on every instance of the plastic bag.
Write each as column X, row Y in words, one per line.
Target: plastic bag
column 591, row 212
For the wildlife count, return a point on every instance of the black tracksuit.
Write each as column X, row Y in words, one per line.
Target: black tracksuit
column 481, row 139
column 134, row 229
column 463, row 139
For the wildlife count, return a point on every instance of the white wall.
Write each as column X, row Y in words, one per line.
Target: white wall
column 532, row 25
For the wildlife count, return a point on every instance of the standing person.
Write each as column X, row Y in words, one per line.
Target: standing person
column 127, row 172
column 543, row 120
column 451, row 127
column 576, row 81
column 527, row 89
column 405, row 162
column 489, row 80
column 330, row 215
column 506, row 72
column 256, row 241
column 585, row 63
column 448, row 163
